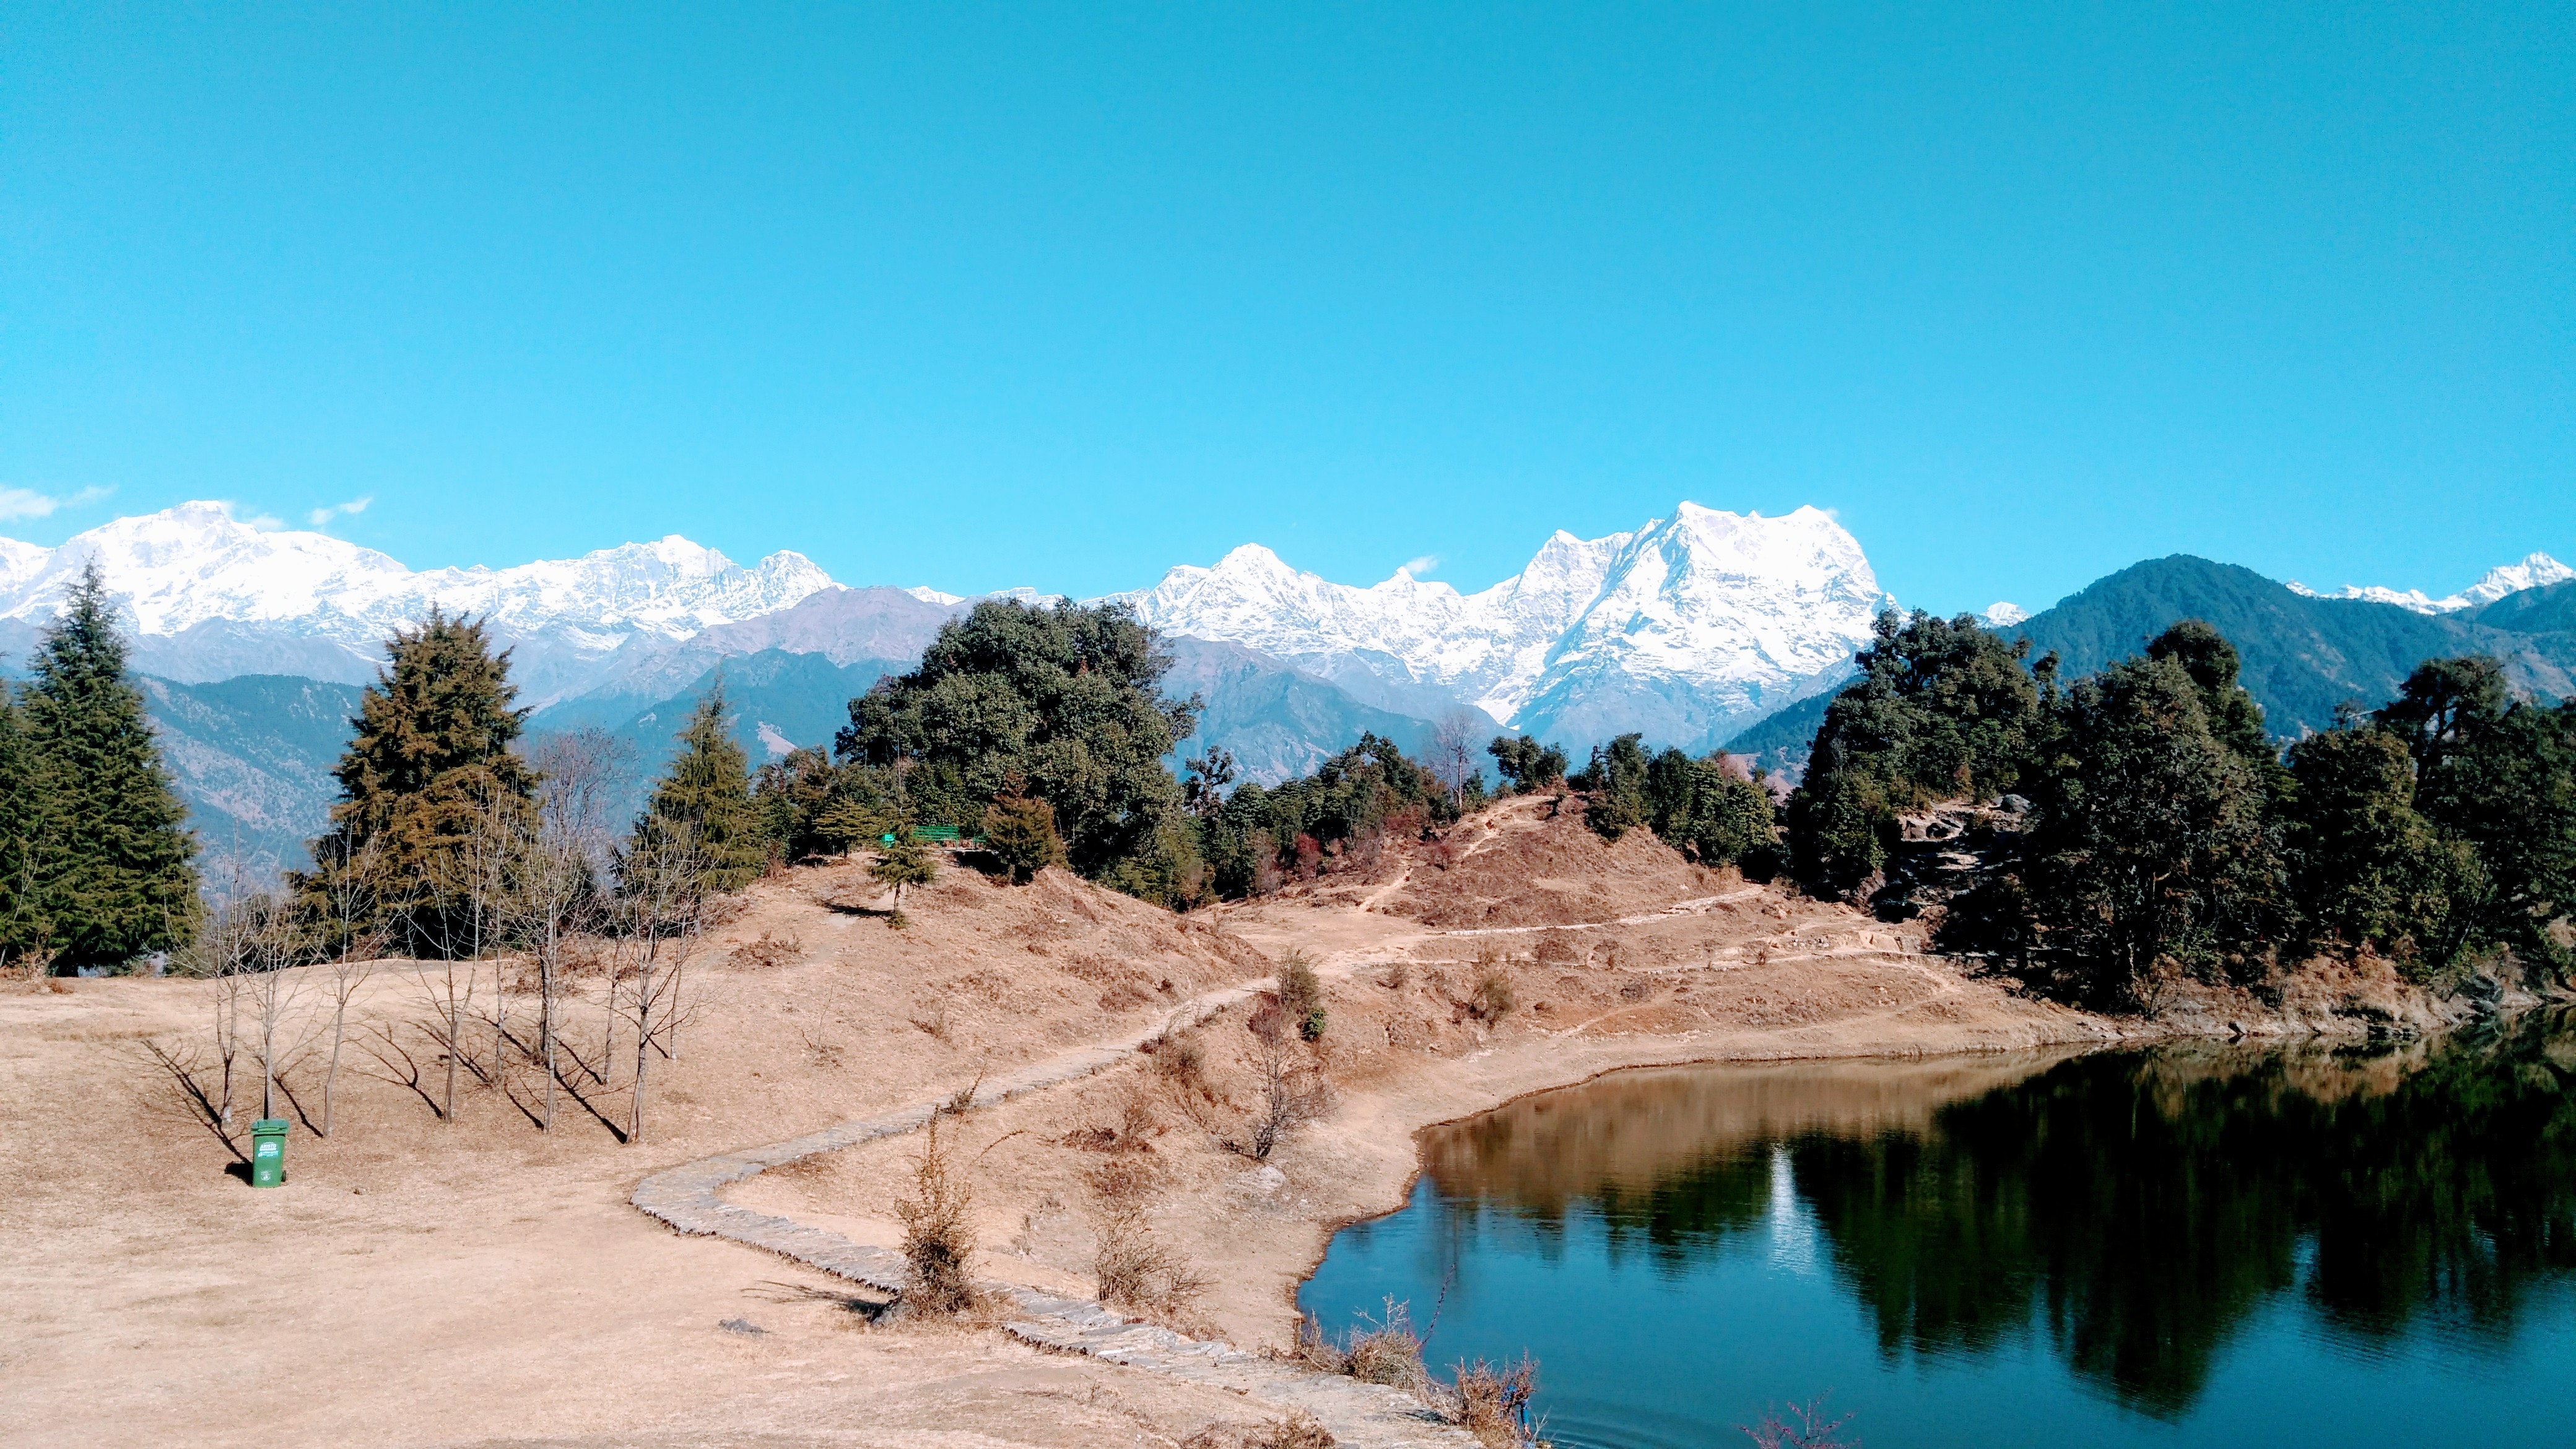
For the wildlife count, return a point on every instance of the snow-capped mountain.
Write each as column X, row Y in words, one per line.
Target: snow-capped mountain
column 2535, row 571
column 1684, row 629
column 323, row 605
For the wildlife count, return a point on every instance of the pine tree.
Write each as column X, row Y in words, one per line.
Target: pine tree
column 112, row 872
column 903, row 863
column 23, row 933
column 430, row 778
column 702, row 808
column 1021, row 833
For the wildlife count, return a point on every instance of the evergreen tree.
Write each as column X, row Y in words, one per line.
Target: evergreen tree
column 2367, row 870
column 2235, row 720
column 2152, row 845
column 903, row 862
column 1021, row 833
column 112, row 873
column 431, row 779
column 2505, row 782
column 1525, row 764
column 1066, row 699
column 702, row 811
column 23, row 931
column 811, row 806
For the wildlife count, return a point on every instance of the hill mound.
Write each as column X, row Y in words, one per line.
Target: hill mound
column 1532, row 862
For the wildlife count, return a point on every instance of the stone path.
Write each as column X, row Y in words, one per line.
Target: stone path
column 689, row 1198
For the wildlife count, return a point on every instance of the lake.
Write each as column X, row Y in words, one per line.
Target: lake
column 2190, row 1245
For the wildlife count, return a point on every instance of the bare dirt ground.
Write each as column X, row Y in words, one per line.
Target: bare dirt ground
column 483, row 1282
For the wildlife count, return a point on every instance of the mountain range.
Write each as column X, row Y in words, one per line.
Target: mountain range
column 1698, row 629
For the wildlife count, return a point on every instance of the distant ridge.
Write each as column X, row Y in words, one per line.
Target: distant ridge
column 2303, row 654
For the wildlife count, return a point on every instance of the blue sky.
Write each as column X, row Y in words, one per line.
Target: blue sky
column 1064, row 295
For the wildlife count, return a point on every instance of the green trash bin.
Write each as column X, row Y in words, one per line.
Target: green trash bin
column 268, row 1152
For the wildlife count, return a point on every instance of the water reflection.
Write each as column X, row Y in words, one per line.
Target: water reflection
column 2135, row 1211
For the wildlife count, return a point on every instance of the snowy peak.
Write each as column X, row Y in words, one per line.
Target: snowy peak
column 1706, row 601
column 2534, row 571
column 197, row 563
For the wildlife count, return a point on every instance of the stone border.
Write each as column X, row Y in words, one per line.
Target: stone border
column 689, row 1199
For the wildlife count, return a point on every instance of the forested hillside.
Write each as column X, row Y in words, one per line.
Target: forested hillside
column 2303, row 655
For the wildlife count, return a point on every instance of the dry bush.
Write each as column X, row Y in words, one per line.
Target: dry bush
column 1136, row 1129
column 1301, row 995
column 1555, row 950
column 1633, row 990
column 1125, row 996
column 769, row 951
column 1298, row 1431
column 1394, row 977
column 962, row 1101
column 938, row 1230
column 1179, row 1058
column 1135, row 1270
column 1489, row 1000
column 1384, row 1350
column 1801, row 1426
column 932, row 1020
column 1491, row 1401
column 821, row 1031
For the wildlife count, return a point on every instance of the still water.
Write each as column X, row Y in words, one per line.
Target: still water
column 2180, row 1247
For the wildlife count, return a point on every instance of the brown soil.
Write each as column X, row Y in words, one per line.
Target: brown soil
column 422, row 1282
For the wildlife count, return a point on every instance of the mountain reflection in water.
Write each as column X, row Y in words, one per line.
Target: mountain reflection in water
column 2134, row 1213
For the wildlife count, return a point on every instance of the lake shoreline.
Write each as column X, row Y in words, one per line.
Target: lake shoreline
column 2064, row 1034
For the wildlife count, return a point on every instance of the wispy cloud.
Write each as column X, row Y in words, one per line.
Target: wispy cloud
column 264, row 522
column 1422, row 567
column 320, row 517
column 28, row 503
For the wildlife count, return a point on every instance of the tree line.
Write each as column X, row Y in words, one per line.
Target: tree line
column 2157, row 827
column 2163, row 831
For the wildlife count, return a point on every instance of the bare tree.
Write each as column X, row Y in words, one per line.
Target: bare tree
column 1293, row 1091
column 551, row 902
column 350, row 908
column 225, row 952
column 464, row 929
column 658, row 925
column 585, row 776
column 275, row 991
column 1453, row 749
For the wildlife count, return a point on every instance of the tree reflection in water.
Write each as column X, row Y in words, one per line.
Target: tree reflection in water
column 2138, row 1208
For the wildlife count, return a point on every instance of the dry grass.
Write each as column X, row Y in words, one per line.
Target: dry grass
column 767, row 952
column 1297, row 1431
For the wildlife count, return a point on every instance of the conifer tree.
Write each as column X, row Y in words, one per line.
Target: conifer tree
column 903, row 863
column 428, row 778
column 703, row 807
column 23, row 932
column 112, row 873
column 1021, row 833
